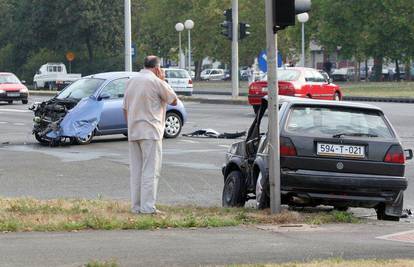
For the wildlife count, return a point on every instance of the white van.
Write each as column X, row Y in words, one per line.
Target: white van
column 180, row 81
column 53, row 76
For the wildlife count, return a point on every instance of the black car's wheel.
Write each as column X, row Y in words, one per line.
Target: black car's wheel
column 83, row 141
column 25, row 101
column 10, row 102
column 233, row 191
column 262, row 198
column 384, row 217
column 256, row 109
column 41, row 140
column 173, row 125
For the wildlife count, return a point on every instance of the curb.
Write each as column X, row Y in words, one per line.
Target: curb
column 240, row 101
column 243, row 100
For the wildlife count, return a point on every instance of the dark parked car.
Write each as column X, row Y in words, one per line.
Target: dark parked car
column 331, row 153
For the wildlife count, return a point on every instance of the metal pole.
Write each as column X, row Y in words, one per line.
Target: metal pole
column 180, row 51
column 303, row 45
column 273, row 131
column 128, row 42
column 235, row 50
column 189, row 52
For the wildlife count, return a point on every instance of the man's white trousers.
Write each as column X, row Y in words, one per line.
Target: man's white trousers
column 145, row 167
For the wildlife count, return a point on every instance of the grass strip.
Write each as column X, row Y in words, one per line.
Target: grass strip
column 340, row 263
column 27, row 214
column 379, row 89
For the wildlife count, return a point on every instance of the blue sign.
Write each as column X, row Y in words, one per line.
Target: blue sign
column 262, row 60
column 134, row 51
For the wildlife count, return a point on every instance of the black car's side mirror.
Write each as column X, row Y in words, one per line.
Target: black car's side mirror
column 104, row 96
column 408, row 154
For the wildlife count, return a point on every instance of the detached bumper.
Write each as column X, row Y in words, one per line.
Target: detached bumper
column 331, row 187
column 8, row 96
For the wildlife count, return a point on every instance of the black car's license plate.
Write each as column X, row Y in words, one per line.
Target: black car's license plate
column 339, row 150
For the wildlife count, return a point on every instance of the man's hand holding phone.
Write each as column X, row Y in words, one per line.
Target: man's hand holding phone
column 160, row 73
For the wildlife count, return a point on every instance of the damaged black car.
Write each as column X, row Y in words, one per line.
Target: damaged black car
column 331, row 153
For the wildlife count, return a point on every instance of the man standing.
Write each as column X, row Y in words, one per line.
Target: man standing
column 145, row 102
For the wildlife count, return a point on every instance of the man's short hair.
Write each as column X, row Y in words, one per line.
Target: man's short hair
column 151, row 62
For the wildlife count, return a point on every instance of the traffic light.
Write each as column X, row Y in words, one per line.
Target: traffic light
column 228, row 13
column 244, row 27
column 285, row 11
column 227, row 29
column 227, row 24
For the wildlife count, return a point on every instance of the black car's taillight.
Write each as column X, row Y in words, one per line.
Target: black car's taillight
column 395, row 155
column 286, row 147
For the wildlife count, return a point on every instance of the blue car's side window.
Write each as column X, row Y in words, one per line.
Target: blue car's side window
column 116, row 88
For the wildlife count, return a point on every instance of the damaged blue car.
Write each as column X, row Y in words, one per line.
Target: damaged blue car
column 92, row 106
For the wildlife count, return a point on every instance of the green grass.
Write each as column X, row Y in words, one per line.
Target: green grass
column 26, row 214
column 111, row 263
column 379, row 89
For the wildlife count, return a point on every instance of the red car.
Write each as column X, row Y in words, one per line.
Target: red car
column 300, row 82
column 11, row 89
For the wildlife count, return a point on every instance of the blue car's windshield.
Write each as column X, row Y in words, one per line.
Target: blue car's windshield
column 81, row 88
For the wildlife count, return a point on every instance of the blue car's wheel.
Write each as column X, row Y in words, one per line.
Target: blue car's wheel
column 173, row 125
column 83, row 141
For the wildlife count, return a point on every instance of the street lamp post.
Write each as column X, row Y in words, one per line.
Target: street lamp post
column 189, row 25
column 179, row 27
column 128, row 42
column 303, row 18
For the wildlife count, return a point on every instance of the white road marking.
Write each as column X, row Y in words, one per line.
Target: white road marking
column 18, row 124
column 406, row 236
column 15, row 110
column 3, row 122
column 225, row 146
column 189, row 141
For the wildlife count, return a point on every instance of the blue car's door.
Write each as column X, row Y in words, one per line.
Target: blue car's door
column 112, row 117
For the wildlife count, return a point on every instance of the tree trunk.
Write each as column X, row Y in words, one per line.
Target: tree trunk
column 366, row 70
column 377, row 71
column 397, row 71
column 198, row 65
column 408, row 71
column 90, row 49
column 357, row 70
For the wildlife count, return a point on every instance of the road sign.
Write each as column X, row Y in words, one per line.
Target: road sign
column 262, row 60
column 70, row 56
column 134, row 52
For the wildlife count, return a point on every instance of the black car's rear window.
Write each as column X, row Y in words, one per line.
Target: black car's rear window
column 329, row 121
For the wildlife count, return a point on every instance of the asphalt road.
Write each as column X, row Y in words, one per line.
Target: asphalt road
column 191, row 166
column 207, row 247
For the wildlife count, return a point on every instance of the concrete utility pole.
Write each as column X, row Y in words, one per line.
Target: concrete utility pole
column 235, row 50
column 273, row 131
column 128, row 42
